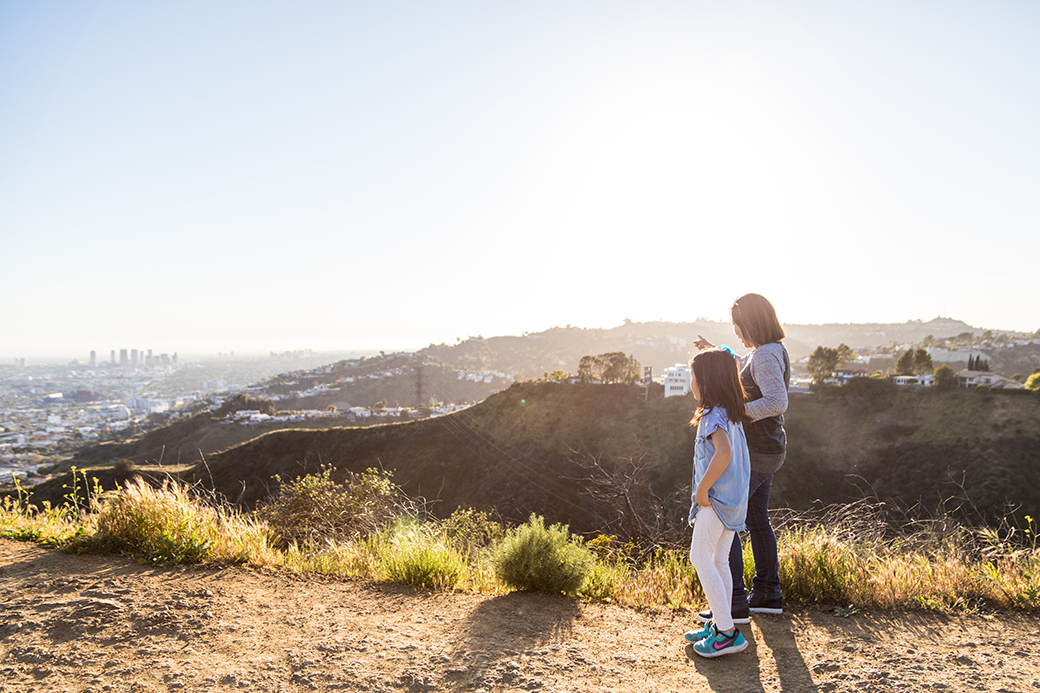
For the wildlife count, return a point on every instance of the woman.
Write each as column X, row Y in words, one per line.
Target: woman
column 765, row 374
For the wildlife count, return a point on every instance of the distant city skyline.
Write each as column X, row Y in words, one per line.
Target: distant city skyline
column 208, row 178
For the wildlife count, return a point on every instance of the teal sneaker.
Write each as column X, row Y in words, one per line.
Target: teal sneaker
column 718, row 644
column 696, row 636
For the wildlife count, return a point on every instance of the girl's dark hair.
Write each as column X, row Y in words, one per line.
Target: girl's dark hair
column 755, row 317
column 719, row 382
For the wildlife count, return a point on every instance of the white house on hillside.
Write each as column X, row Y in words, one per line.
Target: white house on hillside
column 985, row 378
column 924, row 380
column 676, row 380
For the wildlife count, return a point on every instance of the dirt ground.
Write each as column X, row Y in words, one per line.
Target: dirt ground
column 106, row 623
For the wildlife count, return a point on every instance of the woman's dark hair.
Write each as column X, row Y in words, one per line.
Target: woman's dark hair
column 719, row 382
column 755, row 317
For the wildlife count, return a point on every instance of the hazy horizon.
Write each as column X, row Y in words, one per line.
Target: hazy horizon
column 59, row 357
column 248, row 177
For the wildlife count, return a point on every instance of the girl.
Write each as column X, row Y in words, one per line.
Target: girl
column 720, row 493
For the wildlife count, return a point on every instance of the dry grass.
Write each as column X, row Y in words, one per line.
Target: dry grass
column 170, row 525
column 853, row 555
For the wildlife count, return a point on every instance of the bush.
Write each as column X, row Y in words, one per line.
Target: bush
column 868, row 395
column 539, row 559
column 314, row 509
column 243, row 402
column 415, row 557
column 124, row 467
column 471, row 531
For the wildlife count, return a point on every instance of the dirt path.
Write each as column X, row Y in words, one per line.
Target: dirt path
column 92, row 623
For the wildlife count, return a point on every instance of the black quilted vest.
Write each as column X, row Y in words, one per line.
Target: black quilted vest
column 766, row 437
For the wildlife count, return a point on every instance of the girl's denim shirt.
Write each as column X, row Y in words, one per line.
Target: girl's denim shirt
column 729, row 494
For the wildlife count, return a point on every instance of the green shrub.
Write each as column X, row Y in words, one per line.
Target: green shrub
column 413, row 556
column 313, row 510
column 535, row 558
column 472, row 532
column 125, row 467
column 603, row 582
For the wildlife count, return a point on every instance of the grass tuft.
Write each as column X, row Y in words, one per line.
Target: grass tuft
column 411, row 554
column 169, row 525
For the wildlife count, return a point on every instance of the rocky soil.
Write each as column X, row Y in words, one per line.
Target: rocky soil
column 105, row 623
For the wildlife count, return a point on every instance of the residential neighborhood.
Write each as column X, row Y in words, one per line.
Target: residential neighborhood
column 46, row 411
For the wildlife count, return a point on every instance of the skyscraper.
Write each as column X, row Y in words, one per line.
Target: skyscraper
column 93, row 359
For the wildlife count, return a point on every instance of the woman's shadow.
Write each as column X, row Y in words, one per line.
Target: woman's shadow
column 508, row 626
column 515, row 622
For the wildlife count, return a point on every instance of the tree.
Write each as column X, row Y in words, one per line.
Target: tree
column 242, row 402
column 587, row 369
column 822, row 363
column 612, row 367
column 922, row 362
column 624, row 500
column 905, row 363
column 845, row 355
column 945, row 378
column 557, row 376
column 1034, row 382
column 619, row 367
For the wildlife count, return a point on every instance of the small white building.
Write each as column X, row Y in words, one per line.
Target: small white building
column 844, row 375
column 147, row 406
column 923, row 380
column 677, row 380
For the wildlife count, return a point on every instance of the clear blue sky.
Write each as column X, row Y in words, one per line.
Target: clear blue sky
column 213, row 176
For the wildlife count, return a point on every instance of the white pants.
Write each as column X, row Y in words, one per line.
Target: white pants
column 709, row 554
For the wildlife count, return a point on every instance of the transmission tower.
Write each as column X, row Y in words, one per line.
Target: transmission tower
column 418, row 387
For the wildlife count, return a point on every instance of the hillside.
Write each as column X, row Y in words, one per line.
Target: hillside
column 474, row 368
column 516, row 452
column 530, row 448
column 182, row 442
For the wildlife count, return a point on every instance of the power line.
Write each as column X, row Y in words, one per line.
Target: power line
column 516, row 466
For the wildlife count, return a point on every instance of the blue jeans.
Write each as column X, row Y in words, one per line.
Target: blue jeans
column 763, row 546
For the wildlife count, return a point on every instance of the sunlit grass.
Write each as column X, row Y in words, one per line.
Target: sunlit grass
column 45, row 525
column 169, row 525
column 410, row 553
column 845, row 558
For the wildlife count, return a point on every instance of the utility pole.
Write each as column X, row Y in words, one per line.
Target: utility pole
column 418, row 387
column 648, row 377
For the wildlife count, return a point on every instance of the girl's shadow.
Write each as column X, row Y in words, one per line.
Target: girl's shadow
column 777, row 633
